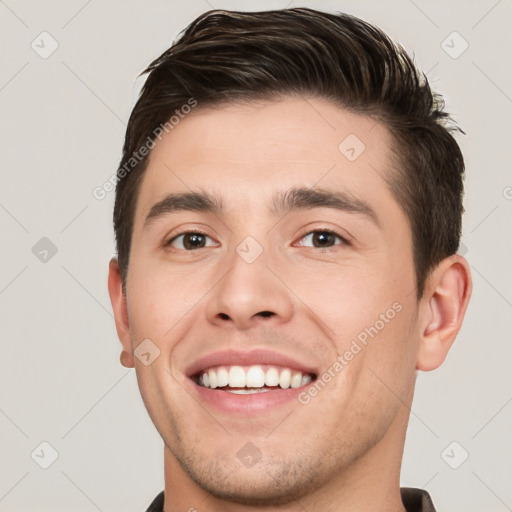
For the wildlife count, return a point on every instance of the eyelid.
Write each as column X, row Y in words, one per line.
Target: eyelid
column 309, row 231
column 168, row 240
column 332, row 231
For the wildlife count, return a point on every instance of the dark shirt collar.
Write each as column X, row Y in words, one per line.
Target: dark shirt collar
column 414, row 500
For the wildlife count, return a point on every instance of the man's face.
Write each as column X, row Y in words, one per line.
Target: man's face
column 274, row 291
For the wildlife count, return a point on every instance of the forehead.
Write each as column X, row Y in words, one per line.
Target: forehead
column 252, row 150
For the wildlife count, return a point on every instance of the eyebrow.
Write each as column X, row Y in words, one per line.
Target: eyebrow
column 297, row 198
column 309, row 198
column 185, row 201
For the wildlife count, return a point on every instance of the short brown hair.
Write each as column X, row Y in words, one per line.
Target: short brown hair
column 229, row 56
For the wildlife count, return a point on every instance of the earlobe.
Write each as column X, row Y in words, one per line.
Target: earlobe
column 119, row 307
column 443, row 305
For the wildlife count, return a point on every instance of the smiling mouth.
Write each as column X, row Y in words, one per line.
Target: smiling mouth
column 246, row 380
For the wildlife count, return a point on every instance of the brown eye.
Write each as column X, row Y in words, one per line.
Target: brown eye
column 189, row 241
column 323, row 238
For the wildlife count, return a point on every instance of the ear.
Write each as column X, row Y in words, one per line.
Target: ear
column 118, row 300
column 443, row 306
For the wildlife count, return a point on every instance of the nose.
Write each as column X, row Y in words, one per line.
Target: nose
column 249, row 294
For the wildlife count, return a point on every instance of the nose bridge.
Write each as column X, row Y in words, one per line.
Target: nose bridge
column 249, row 292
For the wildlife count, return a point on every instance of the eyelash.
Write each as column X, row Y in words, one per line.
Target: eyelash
column 328, row 231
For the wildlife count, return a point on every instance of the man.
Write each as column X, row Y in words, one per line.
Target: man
column 287, row 217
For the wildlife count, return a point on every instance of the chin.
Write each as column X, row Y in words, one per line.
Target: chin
column 264, row 486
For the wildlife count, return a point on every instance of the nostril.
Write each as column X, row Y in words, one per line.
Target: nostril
column 266, row 313
column 224, row 316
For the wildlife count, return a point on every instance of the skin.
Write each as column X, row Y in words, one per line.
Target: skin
column 342, row 451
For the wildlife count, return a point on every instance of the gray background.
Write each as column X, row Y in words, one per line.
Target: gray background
column 62, row 126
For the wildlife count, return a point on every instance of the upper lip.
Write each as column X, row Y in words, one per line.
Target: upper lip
column 247, row 358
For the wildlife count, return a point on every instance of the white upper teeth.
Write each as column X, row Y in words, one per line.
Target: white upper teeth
column 253, row 377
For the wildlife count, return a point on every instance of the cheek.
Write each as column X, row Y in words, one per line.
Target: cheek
column 370, row 317
column 388, row 370
column 159, row 299
column 347, row 297
column 379, row 369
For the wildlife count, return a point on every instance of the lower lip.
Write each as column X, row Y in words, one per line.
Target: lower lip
column 249, row 404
